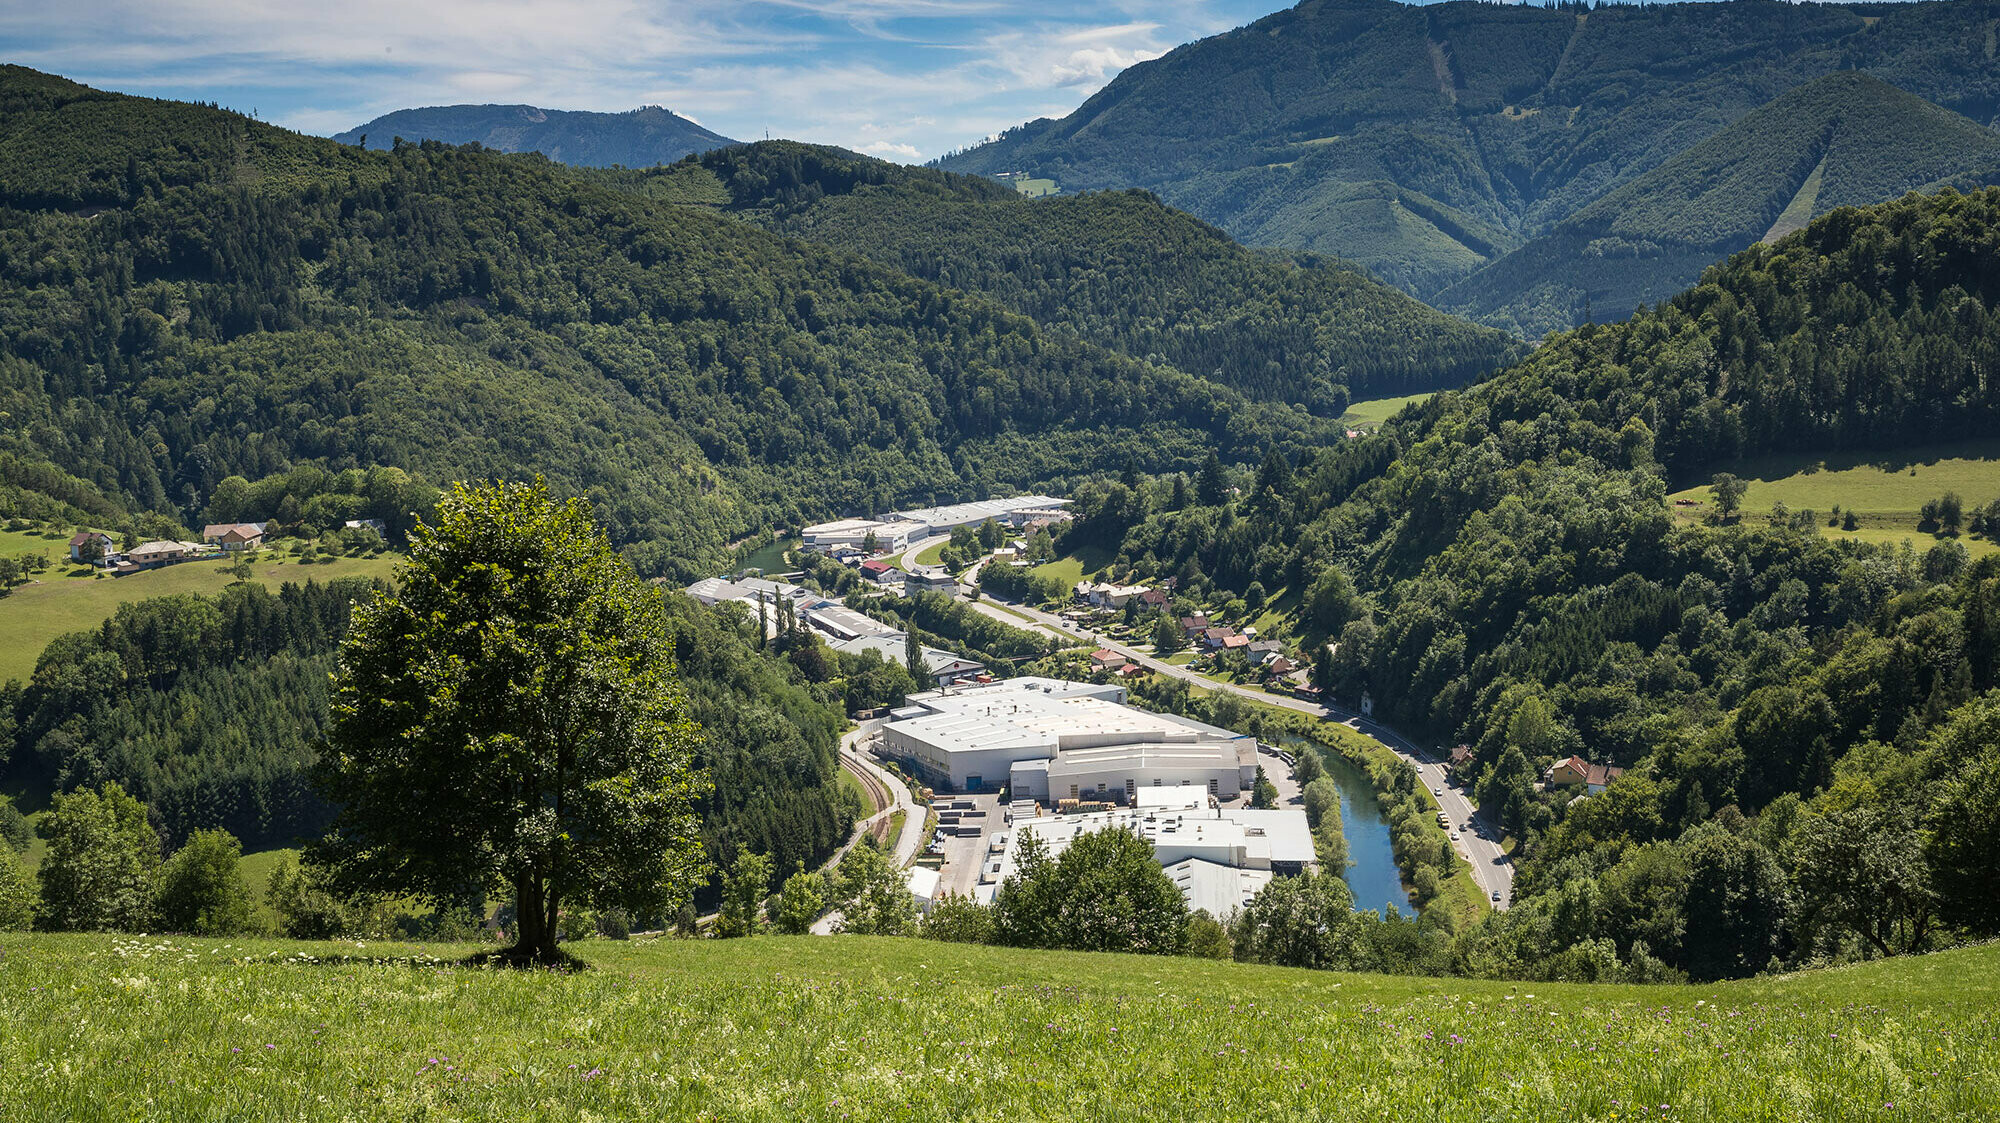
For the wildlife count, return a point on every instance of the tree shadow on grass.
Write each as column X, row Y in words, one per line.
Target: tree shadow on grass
column 496, row 959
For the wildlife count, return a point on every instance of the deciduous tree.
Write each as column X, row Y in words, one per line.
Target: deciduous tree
column 511, row 714
column 98, row 873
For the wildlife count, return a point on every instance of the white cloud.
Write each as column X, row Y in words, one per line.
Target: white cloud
column 901, row 78
column 892, row 150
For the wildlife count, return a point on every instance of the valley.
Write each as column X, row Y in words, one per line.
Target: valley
column 1399, row 561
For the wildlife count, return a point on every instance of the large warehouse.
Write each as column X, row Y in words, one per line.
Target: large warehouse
column 1219, row 857
column 896, row 531
column 1047, row 739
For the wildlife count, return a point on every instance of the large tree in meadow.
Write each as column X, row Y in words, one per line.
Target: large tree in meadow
column 510, row 717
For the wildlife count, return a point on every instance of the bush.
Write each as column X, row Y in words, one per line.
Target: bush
column 202, row 891
column 958, row 920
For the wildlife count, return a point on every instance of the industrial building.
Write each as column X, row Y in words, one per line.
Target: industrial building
column 896, row 531
column 854, row 534
column 1047, row 739
column 1219, row 857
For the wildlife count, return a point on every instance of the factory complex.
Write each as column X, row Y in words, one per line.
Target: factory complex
column 897, row 530
column 1219, row 857
column 1048, row 740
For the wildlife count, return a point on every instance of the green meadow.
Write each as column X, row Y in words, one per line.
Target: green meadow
column 1884, row 490
column 59, row 602
column 1371, row 414
column 109, row 1027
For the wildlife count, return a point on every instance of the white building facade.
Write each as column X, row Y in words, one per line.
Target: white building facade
column 1048, row 739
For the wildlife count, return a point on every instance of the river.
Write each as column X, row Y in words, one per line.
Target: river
column 770, row 558
column 1371, row 859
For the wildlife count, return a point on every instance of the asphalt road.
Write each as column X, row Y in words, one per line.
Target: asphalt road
column 853, row 754
column 1491, row 869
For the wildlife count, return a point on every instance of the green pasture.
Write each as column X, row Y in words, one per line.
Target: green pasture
column 107, row 1027
column 57, row 603
column 1885, row 490
column 1371, row 414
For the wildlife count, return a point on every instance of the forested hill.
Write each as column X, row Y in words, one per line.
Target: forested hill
column 1808, row 724
column 1120, row 269
column 186, row 295
column 639, row 138
column 1839, row 141
column 1425, row 142
column 212, row 710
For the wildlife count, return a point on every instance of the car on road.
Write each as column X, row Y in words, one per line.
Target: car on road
column 1454, row 836
column 1496, row 894
column 1438, row 792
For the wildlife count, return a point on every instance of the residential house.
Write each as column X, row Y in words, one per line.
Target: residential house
column 881, row 572
column 935, row 580
column 1220, row 637
column 1104, row 659
column 1280, row 665
column 1108, row 595
column 1575, row 771
column 152, row 555
column 1154, row 598
column 376, row 525
column 1195, row 625
column 106, row 546
column 1461, row 755
column 1263, row 647
column 234, row 536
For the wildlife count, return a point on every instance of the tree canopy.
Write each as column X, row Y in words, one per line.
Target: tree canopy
column 510, row 718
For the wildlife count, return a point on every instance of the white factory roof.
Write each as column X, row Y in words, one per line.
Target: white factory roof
column 714, row 590
column 842, row 622
column 960, row 513
column 1287, row 831
column 844, row 526
column 1257, row 838
column 892, row 647
column 1219, row 890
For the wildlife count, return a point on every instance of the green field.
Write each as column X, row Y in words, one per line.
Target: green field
column 109, row 1027
column 36, row 613
column 932, row 554
column 1884, row 490
column 1371, row 414
column 1036, row 188
column 14, row 543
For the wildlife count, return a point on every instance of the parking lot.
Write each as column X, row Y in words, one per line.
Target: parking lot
column 966, row 855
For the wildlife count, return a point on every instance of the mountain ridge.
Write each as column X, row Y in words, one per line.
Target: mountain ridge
column 1425, row 142
column 635, row 138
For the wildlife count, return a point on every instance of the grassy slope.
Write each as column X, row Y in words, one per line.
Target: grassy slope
column 1884, row 490
column 1372, row 414
column 776, row 1028
column 32, row 615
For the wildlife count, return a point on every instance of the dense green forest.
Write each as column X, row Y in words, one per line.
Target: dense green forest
column 187, row 295
column 638, row 138
column 1808, row 724
column 211, row 710
column 1119, row 269
column 1838, row 141
column 1427, row 142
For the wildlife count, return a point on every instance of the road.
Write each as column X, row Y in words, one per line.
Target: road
column 1491, row 869
column 853, row 755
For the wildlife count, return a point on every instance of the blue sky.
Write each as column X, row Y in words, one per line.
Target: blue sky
column 903, row 79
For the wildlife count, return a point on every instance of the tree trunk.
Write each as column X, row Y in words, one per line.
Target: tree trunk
column 534, row 913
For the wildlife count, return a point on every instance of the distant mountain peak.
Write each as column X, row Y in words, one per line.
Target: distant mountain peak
column 636, row 138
